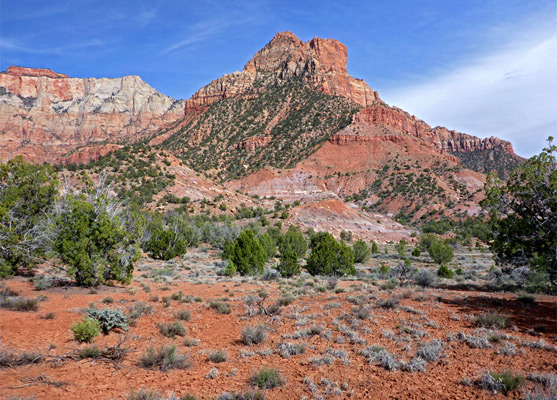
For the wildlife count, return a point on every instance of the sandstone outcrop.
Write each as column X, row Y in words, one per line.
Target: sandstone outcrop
column 320, row 61
column 253, row 143
column 44, row 114
column 442, row 138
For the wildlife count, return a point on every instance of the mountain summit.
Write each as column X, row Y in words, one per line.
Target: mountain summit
column 320, row 61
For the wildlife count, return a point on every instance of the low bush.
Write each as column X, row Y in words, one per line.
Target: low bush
column 254, row 334
column 445, row 272
column 492, row 321
column 19, row 303
column 218, row 356
column 86, row 329
column 256, row 395
column 220, row 307
column 267, row 378
column 389, row 303
column 424, row 278
column 172, row 330
column 430, row 351
column 503, row 382
column 183, row 315
column 109, row 319
column 164, row 358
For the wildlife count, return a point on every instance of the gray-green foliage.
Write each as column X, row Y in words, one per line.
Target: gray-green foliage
column 108, row 318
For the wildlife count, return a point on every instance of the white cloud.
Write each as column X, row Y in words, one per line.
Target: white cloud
column 202, row 31
column 511, row 94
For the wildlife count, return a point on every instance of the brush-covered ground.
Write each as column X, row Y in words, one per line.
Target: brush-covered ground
column 364, row 337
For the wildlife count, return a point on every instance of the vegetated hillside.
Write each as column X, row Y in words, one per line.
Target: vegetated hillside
column 279, row 127
column 380, row 169
column 496, row 159
column 293, row 125
column 135, row 173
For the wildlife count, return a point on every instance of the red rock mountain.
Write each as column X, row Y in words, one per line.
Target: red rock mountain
column 44, row 114
column 292, row 125
column 320, row 61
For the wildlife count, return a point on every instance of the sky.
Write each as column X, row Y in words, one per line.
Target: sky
column 486, row 68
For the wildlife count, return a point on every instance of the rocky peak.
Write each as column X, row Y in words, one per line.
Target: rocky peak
column 44, row 114
column 286, row 55
column 320, row 61
column 24, row 71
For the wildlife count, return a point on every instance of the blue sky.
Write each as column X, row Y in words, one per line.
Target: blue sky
column 487, row 68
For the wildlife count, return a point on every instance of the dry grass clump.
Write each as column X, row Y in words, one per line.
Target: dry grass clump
column 164, row 358
column 172, row 330
column 267, row 378
column 254, row 334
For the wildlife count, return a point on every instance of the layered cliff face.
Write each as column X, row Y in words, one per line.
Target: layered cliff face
column 321, row 62
column 481, row 155
column 44, row 114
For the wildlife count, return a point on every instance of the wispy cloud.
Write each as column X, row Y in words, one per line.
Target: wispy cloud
column 18, row 46
column 200, row 32
column 509, row 93
column 145, row 16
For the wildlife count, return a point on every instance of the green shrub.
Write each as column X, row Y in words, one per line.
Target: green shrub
column 440, row 252
column 445, row 272
column 361, row 251
column 289, row 265
column 184, row 315
column 492, row 321
column 507, row 380
column 269, row 245
column 416, row 252
column 86, row 329
column 89, row 352
column 247, row 254
column 346, row 236
column 294, row 239
column 165, row 244
column 374, row 247
column 165, row 358
column 220, row 307
column 172, row 330
column 108, row 319
column 27, row 193
column 401, row 248
column 230, row 269
column 218, row 356
column 329, row 257
column 267, row 378
column 93, row 242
